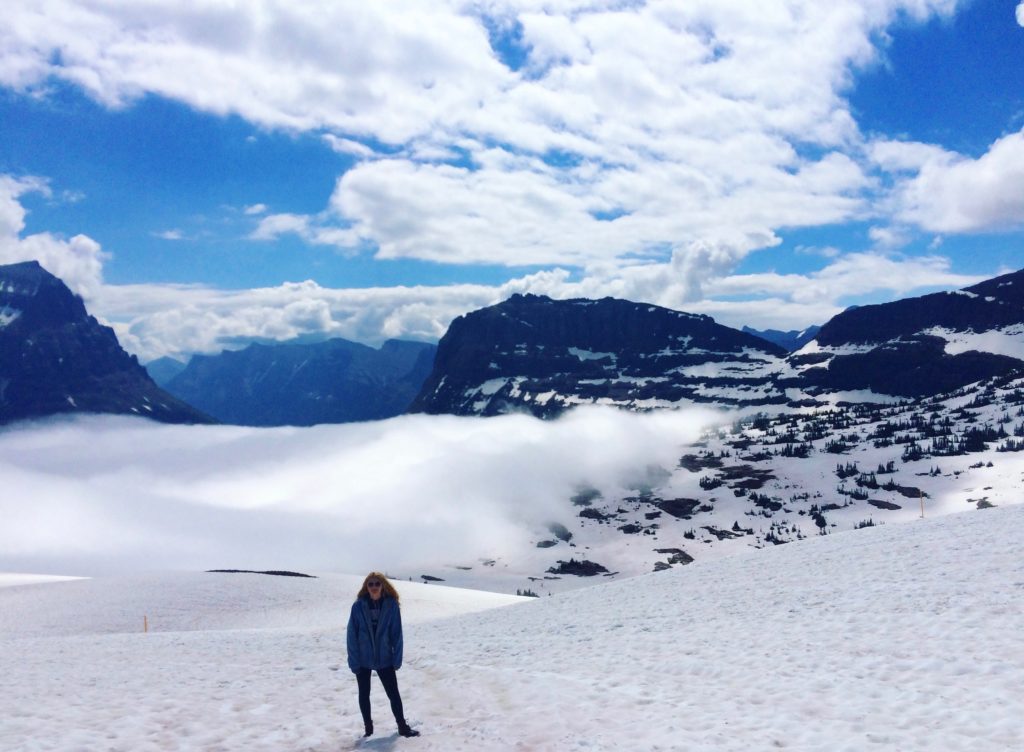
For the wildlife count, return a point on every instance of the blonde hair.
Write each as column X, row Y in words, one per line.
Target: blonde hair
column 386, row 586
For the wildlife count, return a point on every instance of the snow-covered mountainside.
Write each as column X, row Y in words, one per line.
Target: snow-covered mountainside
column 56, row 358
column 895, row 638
column 921, row 346
column 303, row 384
column 507, row 503
column 544, row 356
column 541, row 355
column 769, row 479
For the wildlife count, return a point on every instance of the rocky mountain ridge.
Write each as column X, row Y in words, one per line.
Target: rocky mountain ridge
column 55, row 358
column 542, row 355
column 918, row 347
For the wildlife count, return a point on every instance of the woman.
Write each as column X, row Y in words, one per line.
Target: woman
column 375, row 644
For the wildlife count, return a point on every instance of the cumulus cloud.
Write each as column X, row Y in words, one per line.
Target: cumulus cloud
column 154, row 320
column 1020, row 14
column 347, row 146
column 638, row 150
column 793, row 301
column 78, row 260
column 178, row 320
column 889, row 237
column 115, row 494
column 949, row 193
column 632, row 131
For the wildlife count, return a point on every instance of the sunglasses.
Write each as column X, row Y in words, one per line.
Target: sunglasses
column 373, row 584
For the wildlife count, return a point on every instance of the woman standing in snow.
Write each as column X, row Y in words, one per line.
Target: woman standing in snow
column 375, row 644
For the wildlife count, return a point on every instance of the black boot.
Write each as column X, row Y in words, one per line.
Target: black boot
column 405, row 730
column 369, row 728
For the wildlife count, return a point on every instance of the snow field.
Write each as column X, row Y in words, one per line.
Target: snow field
column 904, row 637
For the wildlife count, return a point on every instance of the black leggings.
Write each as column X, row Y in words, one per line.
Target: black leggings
column 390, row 682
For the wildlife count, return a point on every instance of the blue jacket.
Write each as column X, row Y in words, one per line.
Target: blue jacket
column 380, row 650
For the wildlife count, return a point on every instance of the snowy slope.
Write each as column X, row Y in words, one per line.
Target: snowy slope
column 503, row 503
column 188, row 601
column 897, row 638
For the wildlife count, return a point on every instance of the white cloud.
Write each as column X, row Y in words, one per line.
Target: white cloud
column 649, row 130
column 380, row 68
column 1020, row 14
column 78, row 260
column 156, row 320
column 793, row 301
column 169, row 234
column 273, row 226
column 648, row 147
column 348, row 146
column 950, row 193
column 115, row 494
column 889, row 237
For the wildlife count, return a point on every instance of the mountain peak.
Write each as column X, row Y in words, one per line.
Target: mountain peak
column 56, row 358
column 40, row 298
column 531, row 352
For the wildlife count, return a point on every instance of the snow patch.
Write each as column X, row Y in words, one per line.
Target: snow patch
column 491, row 387
column 857, row 396
column 1008, row 341
column 12, row 579
column 589, row 355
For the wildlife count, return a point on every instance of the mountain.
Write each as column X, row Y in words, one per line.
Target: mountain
column 541, row 355
column 790, row 341
column 162, row 370
column 335, row 381
column 56, row 358
column 920, row 346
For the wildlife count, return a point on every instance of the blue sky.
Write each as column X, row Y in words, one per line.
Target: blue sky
column 207, row 174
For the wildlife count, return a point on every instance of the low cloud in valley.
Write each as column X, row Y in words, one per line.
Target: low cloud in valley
column 102, row 495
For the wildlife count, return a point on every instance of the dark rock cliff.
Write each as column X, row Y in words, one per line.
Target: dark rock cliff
column 541, row 355
column 56, row 358
column 920, row 346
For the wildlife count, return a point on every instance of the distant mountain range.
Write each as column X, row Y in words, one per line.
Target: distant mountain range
column 162, row 370
column 541, row 355
column 789, row 341
column 56, row 358
column 335, row 381
column 528, row 353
